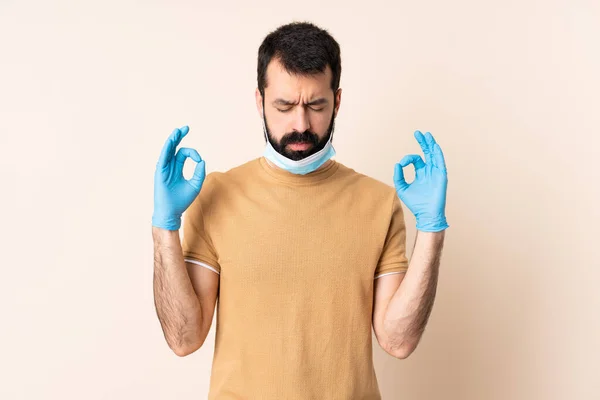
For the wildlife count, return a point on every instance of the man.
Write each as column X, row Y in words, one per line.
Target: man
column 303, row 253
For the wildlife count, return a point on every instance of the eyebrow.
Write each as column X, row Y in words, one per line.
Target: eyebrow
column 316, row 102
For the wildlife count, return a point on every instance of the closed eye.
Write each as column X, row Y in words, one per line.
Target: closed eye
column 289, row 109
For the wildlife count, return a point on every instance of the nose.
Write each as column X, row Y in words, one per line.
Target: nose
column 301, row 121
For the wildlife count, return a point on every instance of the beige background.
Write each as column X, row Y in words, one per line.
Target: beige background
column 89, row 91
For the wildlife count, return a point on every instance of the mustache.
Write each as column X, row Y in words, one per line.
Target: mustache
column 299, row 137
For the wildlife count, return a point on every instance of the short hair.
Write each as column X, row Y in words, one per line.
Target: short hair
column 302, row 48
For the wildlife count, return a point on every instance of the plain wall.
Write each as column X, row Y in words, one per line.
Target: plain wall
column 89, row 91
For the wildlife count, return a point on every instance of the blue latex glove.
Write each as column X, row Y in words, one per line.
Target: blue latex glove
column 173, row 194
column 425, row 196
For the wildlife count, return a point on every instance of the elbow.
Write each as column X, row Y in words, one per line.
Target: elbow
column 185, row 349
column 401, row 353
column 182, row 351
column 186, row 342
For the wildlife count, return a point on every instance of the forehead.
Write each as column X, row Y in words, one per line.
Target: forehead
column 282, row 83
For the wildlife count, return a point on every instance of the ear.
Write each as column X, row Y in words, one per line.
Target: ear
column 338, row 100
column 259, row 106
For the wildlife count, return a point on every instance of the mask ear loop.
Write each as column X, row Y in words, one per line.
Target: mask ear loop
column 263, row 121
column 264, row 125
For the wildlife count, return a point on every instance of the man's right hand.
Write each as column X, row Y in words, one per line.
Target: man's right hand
column 173, row 194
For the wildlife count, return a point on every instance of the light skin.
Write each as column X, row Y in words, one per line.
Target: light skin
column 297, row 103
column 185, row 294
column 402, row 302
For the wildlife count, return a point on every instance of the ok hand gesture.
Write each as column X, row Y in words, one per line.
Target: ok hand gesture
column 173, row 194
column 426, row 195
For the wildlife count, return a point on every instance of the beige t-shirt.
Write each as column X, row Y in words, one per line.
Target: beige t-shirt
column 297, row 257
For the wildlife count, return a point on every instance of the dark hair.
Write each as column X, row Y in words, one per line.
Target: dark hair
column 302, row 48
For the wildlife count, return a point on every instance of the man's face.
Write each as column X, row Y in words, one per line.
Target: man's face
column 299, row 111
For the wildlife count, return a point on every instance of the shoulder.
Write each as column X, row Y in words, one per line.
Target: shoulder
column 224, row 185
column 364, row 185
column 221, row 186
column 219, row 179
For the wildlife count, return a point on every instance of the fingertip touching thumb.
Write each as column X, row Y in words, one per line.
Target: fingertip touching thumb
column 399, row 180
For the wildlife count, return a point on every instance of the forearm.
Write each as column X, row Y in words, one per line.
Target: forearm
column 409, row 308
column 177, row 305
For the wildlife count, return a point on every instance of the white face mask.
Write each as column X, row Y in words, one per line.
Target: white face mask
column 302, row 167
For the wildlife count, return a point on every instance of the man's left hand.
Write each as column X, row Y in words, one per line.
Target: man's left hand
column 426, row 195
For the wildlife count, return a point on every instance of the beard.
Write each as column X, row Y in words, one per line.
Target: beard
column 300, row 137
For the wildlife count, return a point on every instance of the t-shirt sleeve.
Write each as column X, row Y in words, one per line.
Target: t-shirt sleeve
column 393, row 256
column 197, row 245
